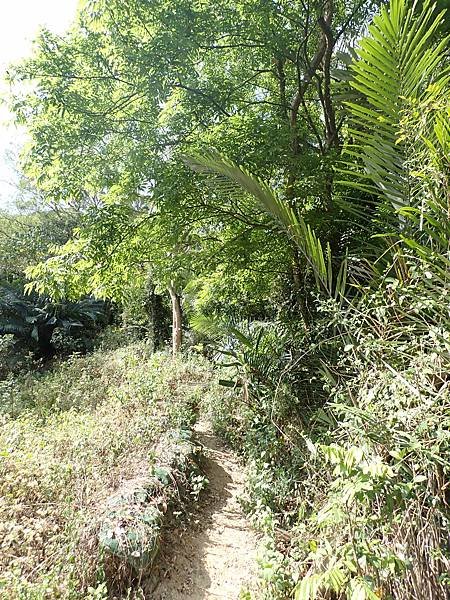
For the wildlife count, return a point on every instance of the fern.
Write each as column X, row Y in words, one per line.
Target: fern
column 397, row 64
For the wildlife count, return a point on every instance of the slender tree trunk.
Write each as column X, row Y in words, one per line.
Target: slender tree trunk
column 176, row 320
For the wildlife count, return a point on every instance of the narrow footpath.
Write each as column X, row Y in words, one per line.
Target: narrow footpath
column 215, row 556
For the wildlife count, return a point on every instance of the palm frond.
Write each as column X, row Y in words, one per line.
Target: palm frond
column 317, row 255
column 397, row 63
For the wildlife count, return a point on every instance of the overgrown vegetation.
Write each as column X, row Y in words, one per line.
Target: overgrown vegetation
column 350, row 491
column 69, row 438
column 277, row 173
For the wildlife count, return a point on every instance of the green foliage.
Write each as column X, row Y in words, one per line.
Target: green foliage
column 399, row 144
column 398, row 62
column 328, row 300
column 27, row 234
column 33, row 320
column 342, row 492
column 26, row 237
column 304, row 237
column 117, row 103
column 384, row 479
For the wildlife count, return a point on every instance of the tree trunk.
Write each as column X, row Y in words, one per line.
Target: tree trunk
column 159, row 316
column 176, row 320
column 45, row 348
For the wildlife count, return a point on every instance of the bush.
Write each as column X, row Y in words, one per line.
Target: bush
column 376, row 518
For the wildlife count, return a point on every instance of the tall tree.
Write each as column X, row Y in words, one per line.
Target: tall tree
column 134, row 86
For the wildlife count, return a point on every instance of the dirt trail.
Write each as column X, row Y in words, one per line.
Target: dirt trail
column 215, row 556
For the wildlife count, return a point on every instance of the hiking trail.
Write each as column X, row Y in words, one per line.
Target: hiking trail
column 214, row 555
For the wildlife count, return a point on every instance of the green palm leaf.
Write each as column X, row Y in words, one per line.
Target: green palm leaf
column 317, row 255
column 396, row 64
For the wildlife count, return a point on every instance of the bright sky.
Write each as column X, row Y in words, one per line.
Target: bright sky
column 19, row 23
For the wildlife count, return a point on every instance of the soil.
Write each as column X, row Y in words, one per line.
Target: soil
column 214, row 556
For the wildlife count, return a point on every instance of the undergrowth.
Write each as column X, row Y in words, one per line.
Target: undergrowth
column 350, row 488
column 68, row 438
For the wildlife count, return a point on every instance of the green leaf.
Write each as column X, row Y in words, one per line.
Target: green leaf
column 308, row 587
column 162, row 474
column 228, row 383
column 361, row 589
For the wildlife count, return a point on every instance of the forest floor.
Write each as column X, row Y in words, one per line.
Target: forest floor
column 214, row 555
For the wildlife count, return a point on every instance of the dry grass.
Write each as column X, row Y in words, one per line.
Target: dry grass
column 69, row 438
